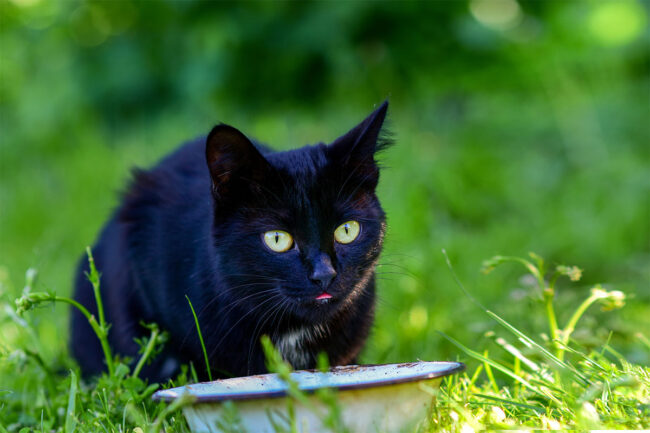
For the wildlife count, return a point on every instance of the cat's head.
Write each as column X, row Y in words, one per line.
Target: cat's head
column 297, row 231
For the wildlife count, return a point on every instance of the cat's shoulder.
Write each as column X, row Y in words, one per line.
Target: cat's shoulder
column 174, row 180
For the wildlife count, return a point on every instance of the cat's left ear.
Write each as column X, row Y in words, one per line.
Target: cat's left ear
column 355, row 151
column 235, row 165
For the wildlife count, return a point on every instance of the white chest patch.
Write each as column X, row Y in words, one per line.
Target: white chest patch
column 293, row 345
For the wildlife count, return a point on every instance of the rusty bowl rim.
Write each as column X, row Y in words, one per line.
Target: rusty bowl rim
column 454, row 367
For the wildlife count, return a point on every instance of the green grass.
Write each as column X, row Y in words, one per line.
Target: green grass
column 548, row 383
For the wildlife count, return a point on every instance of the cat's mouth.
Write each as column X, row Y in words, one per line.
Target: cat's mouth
column 317, row 306
column 324, row 297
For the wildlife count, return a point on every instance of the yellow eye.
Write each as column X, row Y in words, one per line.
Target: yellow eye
column 278, row 240
column 347, row 232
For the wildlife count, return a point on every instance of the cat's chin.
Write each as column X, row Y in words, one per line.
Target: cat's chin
column 312, row 310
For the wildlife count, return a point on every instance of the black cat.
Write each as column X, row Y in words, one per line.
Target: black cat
column 277, row 243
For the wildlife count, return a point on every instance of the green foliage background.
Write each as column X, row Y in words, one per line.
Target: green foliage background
column 518, row 127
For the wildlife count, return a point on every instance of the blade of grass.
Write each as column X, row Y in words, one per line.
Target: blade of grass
column 490, row 375
column 475, row 376
column 70, row 419
column 460, row 284
column 198, row 330
column 609, row 349
column 545, row 383
column 516, row 353
column 538, row 409
column 517, row 370
column 643, row 339
column 184, row 400
column 584, row 357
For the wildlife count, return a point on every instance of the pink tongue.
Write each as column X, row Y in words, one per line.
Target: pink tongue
column 323, row 295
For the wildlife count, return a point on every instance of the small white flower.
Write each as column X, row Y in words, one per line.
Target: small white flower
column 589, row 412
column 466, row 428
column 498, row 415
column 610, row 300
column 550, row 424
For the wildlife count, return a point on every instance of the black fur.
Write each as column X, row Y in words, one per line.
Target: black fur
column 187, row 229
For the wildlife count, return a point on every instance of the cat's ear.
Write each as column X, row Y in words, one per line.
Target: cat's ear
column 355, row 151
column 233, row 161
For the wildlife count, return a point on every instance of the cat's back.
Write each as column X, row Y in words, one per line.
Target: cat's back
column 165, row 210
column 177, row 178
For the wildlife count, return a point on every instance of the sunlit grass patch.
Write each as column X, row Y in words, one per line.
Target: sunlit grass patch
column 546, row 383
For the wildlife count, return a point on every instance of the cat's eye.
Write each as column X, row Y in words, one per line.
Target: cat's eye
column 347, row 232
column 278, row 240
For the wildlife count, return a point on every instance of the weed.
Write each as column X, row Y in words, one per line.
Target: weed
column 549, row 385
column 118, row 401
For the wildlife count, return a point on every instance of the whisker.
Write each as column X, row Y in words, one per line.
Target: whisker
column 394, row 273
column 239, row 301
column 213, row 350
column 231, row 305
column 253, row 275
column 256, row 334
column 218, row 297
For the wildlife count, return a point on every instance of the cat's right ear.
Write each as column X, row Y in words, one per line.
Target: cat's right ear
column 233, row 161
column 354, row 153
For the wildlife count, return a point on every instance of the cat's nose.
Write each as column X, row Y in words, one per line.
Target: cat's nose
column 324, row 272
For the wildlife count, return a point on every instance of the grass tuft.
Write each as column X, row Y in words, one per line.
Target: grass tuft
column 198, row 330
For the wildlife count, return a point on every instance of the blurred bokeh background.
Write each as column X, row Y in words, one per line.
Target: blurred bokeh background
column 520, row 126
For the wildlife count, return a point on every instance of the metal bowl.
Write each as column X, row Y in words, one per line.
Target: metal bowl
column 372, row 398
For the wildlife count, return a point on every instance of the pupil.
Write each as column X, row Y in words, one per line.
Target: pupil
column 346, row 229
column 277, row 237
